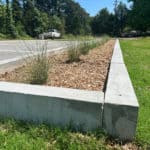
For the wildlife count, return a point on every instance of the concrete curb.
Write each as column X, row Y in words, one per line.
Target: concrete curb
column 57, row 106
column 121, row 105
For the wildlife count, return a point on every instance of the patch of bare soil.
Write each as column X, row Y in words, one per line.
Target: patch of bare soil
column 89, row 73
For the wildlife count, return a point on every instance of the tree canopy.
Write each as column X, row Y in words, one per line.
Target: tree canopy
column 140, row 15
column 32, row 17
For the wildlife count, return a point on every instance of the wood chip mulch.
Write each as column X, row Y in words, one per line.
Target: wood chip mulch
column 89, row 73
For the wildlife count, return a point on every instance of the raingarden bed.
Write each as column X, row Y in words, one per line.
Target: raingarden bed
column 76, row 94
column 88, row 74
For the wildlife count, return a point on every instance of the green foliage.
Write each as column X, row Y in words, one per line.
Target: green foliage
column 108, row 23
column 2, row 36
column 77, row 20
column 139, row 15
column 103, row 23
column 2, row 17
column 17, row 13
column 56, row 23
column 86, row 46
column 10, row 27
column 136, row 54
column 77, row 37
column 28, row 136
column 32, row 17
column 121, row 14
column 39, row 70
column 83, row 47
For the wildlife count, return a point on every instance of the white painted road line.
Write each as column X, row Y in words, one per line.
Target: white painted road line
column 6, row 61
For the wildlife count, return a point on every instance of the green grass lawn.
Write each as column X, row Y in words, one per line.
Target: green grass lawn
column 15, row 135
column 137, row 58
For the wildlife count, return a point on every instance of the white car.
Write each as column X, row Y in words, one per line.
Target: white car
column 52, row 33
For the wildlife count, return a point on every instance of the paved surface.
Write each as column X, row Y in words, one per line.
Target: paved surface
column 11, row 50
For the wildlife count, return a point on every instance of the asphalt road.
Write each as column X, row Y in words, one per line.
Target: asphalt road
column 17, row 49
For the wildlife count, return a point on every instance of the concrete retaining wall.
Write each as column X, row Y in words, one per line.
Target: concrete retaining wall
column 121, row 105
column 116, row 111
column 57, row 106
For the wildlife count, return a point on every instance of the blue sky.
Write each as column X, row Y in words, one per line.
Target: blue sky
column 93, row 6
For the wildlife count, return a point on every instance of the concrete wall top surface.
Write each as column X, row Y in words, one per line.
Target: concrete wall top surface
column 119, row 89
column 117, row 54
column 56, row 92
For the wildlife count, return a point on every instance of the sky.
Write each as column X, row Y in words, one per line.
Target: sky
column 93, row 6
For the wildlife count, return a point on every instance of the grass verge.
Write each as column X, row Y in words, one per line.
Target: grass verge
column 137, row 58
column 28, row 136
column 20, row 135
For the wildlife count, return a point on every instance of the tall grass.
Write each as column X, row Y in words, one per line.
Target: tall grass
column 37, row 63
column 73, row 53
column 83, row 47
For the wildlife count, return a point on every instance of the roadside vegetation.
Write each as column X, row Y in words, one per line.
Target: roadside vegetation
column 37, row 63
column 137, row 58
column 76, row 68
column 22, row 18
column 82, row 47
column 23, row 135
column 28, row 136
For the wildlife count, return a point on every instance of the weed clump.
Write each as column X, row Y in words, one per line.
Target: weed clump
column 83, row 48
column 37, row 65
column 73, row 53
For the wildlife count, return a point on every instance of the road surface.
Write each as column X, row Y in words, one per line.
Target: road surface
column 12, row 51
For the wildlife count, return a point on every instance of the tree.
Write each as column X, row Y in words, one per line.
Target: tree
column 2, row 17
column 67, row 13
column 121, row 13
column 32, row 17
column 10, row 28
column 103, row 22
column 52, row 7
column 17, row 14
column 34, row 20
column 16, row 11
column 140, row 15
column 57, row 23
column 77, row 20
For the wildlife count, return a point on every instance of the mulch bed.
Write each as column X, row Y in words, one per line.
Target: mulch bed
column 89, row 73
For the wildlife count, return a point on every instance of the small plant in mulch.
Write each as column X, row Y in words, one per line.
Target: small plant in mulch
column 73, row 53
column 38, row 65
column 39, row 69
column 83, row 48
